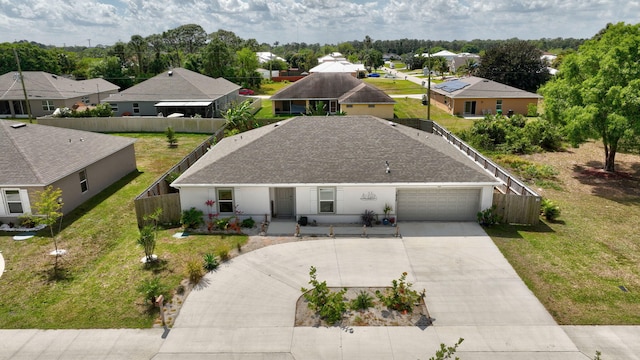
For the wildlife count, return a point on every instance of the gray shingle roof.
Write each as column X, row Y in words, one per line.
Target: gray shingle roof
column 38, row 155
column 333, row 86
column 183, row 84
column 333, row 150
column 46, row 86
column 483, row 88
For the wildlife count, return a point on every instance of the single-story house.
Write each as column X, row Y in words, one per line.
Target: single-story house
column 334, row 56
column 80, row 163
column 475, row 96
column 339, row 92
column 179, row 91
column 356, row 70
column 47, row 92
column 266, row 56
column 332, row 169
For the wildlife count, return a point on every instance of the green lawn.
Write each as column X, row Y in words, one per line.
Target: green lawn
column 102, row 270
column 575, row 265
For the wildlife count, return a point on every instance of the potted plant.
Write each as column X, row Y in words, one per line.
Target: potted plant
column 387, row 209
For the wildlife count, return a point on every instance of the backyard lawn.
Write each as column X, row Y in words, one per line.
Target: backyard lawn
column 98, row 278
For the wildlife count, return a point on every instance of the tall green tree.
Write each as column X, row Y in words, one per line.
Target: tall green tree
column 596, row 94
column 32, row 58
column 247, row 64
column 139, row 47
column 514, row 63
column 217, row 59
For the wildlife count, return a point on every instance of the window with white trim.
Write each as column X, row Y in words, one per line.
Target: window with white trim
column 498, row 105
column 14, row 201
column 136, row 108
column 327, row 200
column 84, row 184
column 114, row 107
column 47, row 105
column 225, row 200
column 372, row 105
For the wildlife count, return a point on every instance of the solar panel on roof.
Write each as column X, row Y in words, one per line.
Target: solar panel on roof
column 451, row 86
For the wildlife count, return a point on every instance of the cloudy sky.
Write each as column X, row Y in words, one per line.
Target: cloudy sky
column 92, row 22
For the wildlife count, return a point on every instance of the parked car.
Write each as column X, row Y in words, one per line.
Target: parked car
column 245, row 92
column 374, row 75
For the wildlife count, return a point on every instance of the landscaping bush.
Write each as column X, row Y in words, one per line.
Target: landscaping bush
column 513, row 135
column 362, row 302
column 248, row 223
column 549, row 210
column 488, row 216
column 194, row 271
column 27, row 221
column 330, row 305
column 210, row 262
column 152, row 288
column 368, row 217
column 223, row 252
column 400, row 297
column 192, row 218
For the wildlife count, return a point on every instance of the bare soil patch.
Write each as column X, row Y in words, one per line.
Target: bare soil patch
column 581, row 171
column 377, row 315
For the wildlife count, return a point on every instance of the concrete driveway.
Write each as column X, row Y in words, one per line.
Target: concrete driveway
column 246, row 309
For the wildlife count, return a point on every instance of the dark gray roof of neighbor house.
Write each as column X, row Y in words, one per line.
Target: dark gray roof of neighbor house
column 473, row 87
column 176, row 84
column 333, row 150
column 324, row 86
column 37, row 155
column 45, row 86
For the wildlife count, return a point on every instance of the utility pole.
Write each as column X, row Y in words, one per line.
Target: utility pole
column 24, row 89
column 429, row 88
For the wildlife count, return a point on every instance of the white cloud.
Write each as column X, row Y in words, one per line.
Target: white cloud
column 73, row 22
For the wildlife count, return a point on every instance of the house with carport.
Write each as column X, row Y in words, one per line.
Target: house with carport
column 332, row 169
column 337, row 92
column 177, row 91
column 476, row 96
column 80, row 163
column 47, row 92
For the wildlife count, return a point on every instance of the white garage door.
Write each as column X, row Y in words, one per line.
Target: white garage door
column 438, row 204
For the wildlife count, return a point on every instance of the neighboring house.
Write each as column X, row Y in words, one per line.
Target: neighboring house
column 475, row 96
column 339, row 92
column 266, row 56
column 179, row 91
column 462, row 60
column 47, row 92
column 332, row 169
column 80, row 163
column 334, row 56
column 356, row 70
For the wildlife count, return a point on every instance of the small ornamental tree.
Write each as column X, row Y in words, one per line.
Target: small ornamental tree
column 149, row 233
column 48, row 207
column 330, row 305
column 171, row 137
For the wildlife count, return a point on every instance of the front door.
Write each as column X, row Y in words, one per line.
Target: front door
column 284, row 202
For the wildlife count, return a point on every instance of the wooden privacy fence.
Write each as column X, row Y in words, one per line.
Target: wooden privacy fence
column 169, row 203
column 161, row 195
column 517, row 209
column 515, row 202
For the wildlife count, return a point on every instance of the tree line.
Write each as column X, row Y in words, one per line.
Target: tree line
column 219, row 54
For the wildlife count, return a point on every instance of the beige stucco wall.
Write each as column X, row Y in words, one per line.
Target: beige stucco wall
column 100, row 175
column 384, row 111
column 483, row 105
